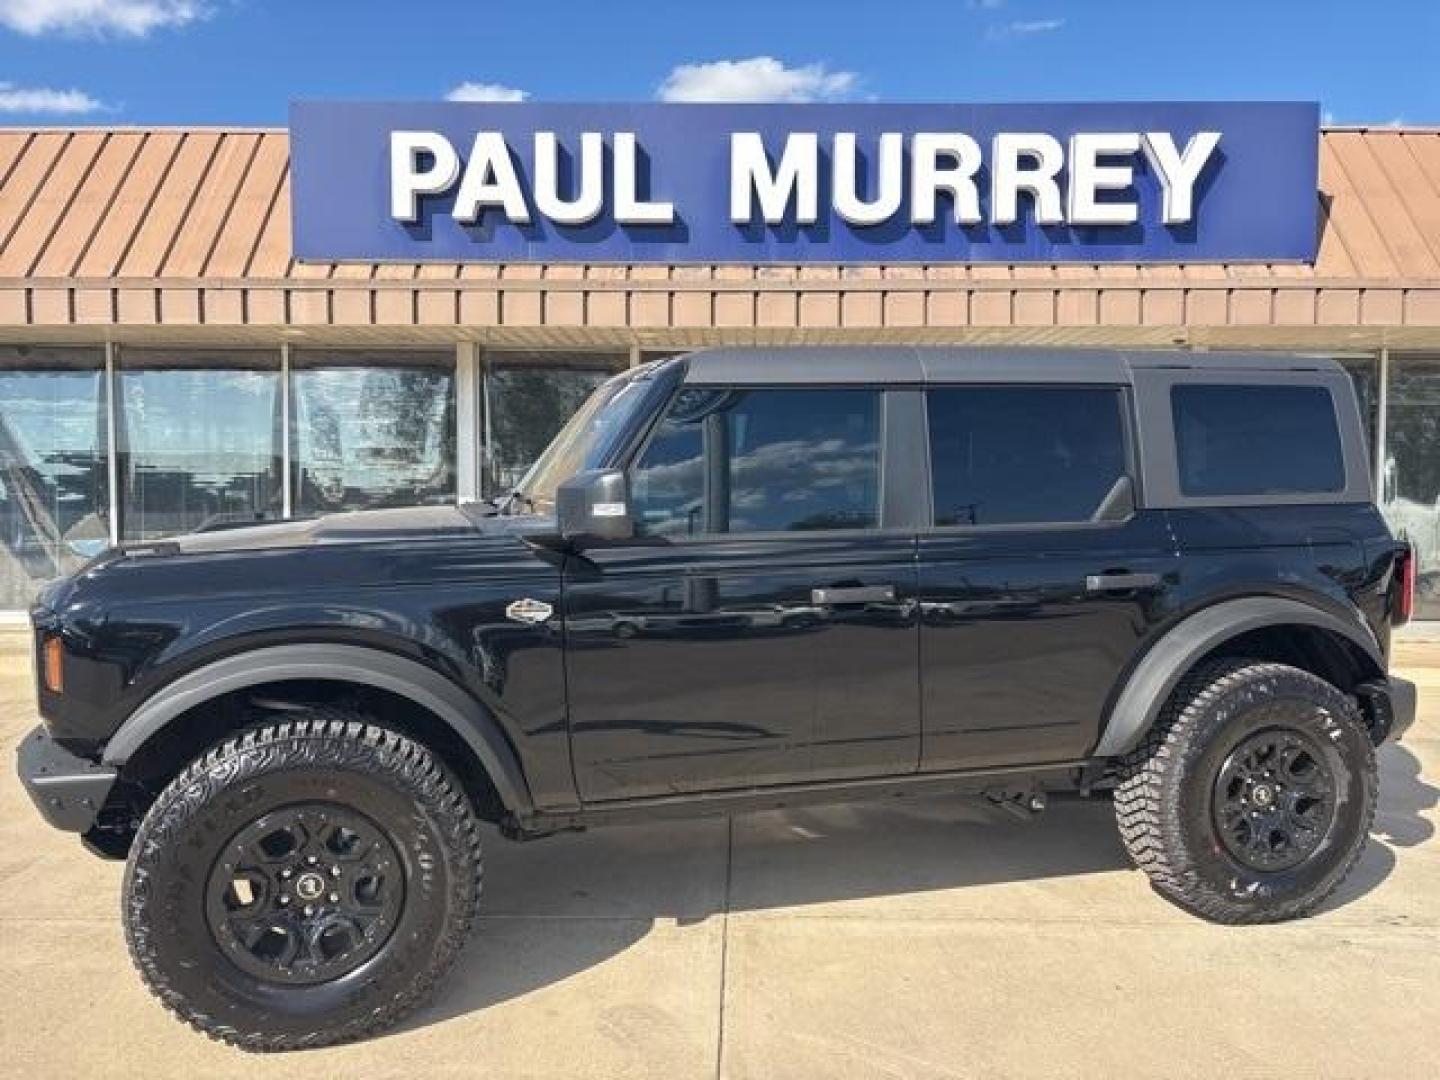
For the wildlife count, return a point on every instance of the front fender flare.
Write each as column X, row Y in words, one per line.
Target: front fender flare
column 332, row 663
column 1156, row 676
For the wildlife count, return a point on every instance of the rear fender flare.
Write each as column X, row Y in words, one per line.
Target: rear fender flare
column 1149, row 686
column 332, row 663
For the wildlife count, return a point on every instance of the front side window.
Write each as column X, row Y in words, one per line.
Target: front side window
column 747, row 461
column 1006, row 455
column 1256, row 440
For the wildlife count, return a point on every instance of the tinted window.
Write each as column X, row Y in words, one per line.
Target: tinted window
column 778, row 460
column 1256, row 440
column 1005, row 455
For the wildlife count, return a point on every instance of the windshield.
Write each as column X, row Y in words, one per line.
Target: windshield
column 583, row 442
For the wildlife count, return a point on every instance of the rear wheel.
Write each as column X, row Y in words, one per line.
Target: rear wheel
column 304, row 883
column 1252, row 797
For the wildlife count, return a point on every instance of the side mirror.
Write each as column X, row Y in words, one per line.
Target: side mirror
column 594, row 505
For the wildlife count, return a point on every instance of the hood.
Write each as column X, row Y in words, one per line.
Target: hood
column 404, row 523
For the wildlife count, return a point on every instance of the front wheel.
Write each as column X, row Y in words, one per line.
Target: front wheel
column 304, row 883
column 1252, row 797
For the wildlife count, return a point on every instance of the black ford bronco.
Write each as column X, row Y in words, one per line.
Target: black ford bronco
column 738, row 579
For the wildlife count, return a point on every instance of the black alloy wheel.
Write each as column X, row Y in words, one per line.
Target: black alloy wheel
column 1251, row 798
column 305, row 882
column 305, row 893
column 1274, row 799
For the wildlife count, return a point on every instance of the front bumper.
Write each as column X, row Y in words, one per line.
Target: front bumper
column 67, row 789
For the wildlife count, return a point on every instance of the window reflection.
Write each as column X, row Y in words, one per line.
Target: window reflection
column 372, row 430
column 53, row 466
column 530, row 396
column 785, row 460
column 1412, row 468
column 200, row 440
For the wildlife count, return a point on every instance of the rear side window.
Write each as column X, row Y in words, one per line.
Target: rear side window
column 1256, row 440
column 782, row 460
column 1003, row 455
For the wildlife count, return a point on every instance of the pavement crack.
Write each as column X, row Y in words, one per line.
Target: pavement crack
column 725, row 945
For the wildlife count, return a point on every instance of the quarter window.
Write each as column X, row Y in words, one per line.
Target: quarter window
column 732, row 460
column 1004, row 455
column 1256, row 440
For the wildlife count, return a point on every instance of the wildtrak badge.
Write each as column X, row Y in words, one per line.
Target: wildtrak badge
column 838, row 183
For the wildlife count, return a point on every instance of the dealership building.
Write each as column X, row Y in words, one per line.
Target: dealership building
column 176, row 349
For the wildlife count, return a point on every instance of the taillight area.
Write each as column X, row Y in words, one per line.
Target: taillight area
column 52, row 664
column 1407, row 573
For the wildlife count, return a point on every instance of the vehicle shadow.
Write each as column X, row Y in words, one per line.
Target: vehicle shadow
column 561, row 906
column 556, row 907
column 1399, row 823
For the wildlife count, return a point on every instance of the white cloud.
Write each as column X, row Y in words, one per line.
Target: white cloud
column 760, row 78
column 128, row 18
column 985, row 5
column 42, row 99
column 484, row 91
column 1033, row 26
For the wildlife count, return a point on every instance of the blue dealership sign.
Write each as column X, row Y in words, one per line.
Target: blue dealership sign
column 520, row 182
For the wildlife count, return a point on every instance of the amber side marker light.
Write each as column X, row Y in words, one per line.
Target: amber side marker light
column 52, row 664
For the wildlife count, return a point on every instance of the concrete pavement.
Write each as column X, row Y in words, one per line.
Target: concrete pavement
column 923, row 938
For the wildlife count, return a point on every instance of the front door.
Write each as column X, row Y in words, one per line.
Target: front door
column 1039, row 576
column 762, row 627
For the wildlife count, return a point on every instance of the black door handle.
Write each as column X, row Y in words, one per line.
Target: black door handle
column 1115, row 582
column 863, row 594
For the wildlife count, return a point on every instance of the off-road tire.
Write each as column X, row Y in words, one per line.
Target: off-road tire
column 321, row 753
column 1164, row 802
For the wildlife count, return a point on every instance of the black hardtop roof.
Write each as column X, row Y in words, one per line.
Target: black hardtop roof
column 908, row 365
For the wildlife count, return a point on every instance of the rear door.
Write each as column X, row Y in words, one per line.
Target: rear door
column 1038, row 576
column 761, row 628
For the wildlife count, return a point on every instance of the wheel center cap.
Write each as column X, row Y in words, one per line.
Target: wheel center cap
column 1262, row 795
column 309, row 886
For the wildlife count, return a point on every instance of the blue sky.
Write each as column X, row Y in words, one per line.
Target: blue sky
column 241, row 61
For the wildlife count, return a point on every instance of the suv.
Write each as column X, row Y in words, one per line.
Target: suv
column 736, row 579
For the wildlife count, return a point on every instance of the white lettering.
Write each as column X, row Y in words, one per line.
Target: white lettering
column 490, row 180
column 928, row 176
column 590, row 199
column 889, row 169
column 797, row 176
column 630, row 209
column 1178, row 171
column 1088, row 177
column 408, row 181
column 1009, row 178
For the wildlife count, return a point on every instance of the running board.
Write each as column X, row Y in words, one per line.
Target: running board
column 1003, row 785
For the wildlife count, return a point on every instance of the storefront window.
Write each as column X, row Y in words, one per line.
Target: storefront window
column 53, row 466
column 529, row 396
column 1412, row 468
column 199, row 440
column 372, row 429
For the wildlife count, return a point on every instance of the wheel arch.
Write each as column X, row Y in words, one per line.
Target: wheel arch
column 1263, row 627
column 453, row 715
